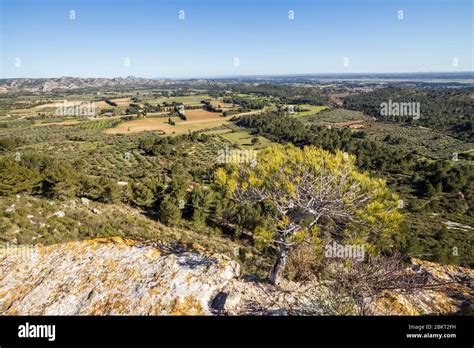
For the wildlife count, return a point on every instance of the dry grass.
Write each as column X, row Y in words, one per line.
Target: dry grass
column 55, row 105
column 197, row 120
column 141, row 125
column 118, row 101
column 221, row 105
column 200, row 114
column 304, row 263
column 64, row 123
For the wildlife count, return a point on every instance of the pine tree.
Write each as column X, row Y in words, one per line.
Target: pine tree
column 307, row 187
column 169, row 212
column 15, row 178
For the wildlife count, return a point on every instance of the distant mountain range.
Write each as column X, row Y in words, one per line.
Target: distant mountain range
column 72, row 83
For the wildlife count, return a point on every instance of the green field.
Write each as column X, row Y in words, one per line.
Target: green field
column 244, row 139
column 311, row 110
column 241, row 137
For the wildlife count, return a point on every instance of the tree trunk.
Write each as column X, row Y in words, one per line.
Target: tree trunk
column 276, row 273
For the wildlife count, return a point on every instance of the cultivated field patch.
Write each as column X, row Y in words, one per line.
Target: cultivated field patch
column 196, row 120
column 244, row 139
column 201, row 114
column 141, row 125
column 63, row 123
column 309, row 110
column 221, row 105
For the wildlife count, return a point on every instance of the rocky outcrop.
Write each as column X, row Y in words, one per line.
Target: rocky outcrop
column 45, row 85
column 118, row 276
column 72, row 83
column 109, row 277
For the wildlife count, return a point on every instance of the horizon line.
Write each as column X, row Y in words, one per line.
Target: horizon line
column 207, row 77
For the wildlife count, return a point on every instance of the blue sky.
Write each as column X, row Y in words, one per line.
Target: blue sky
column 41, row 37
